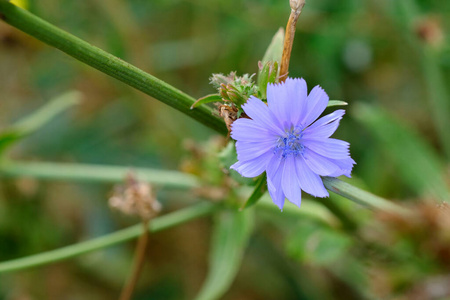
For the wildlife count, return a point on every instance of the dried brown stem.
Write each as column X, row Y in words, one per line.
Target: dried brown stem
column 139, row 259
column 296, row 10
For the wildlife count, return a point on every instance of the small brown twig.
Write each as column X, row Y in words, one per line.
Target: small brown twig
column 139, row 259
column 296, row 10
column 139, row 199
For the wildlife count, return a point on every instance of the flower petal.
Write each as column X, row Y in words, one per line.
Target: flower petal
column 250, row 150
column 253, row 167
column 274, row 173
column 330, row 148
column 309, row 181
column 345, row 167
column 287, row 100
column 289, row 182
column 250, row 131
column 316, row 103
column 325, row 126
column 318, row 164
column 298, row 93
column 260, row 113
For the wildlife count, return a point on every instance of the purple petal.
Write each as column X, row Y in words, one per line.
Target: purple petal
column 330, row 148
column 253, row 167
column 289, row 182
column 250, row 150
column 274, row 173
column 316, row 103
column 325, row 126
column 309, row 181
column 260, row 113
column 345, row 167
column 287, row 100
column 319, row 164
column 250, row 131
column 298, row 93
column 276, row 96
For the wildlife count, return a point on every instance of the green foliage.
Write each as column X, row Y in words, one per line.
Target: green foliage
column 417, row 162
column 207, row 99
column 317, row 244
column 258, row 192
column 232, row 230
column 37, row 119
column 336, row 103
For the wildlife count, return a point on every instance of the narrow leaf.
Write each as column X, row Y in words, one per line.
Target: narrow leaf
column 275, row 49
column 206, row 99
column 415, row 160
column 336, row 103
column 258, row 192
column 230, row 237
column 38, row 118
column 273, row 52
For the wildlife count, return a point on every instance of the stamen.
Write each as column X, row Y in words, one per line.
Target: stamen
column 290, row 144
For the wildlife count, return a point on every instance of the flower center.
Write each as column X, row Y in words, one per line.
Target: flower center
column 290, row 143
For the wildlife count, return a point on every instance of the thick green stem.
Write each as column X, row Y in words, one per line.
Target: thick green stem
column 158, row 224
column 107, row 63
column 95, row 173
column 360, row 196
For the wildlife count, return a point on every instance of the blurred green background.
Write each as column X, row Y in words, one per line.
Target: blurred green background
column 390, row 60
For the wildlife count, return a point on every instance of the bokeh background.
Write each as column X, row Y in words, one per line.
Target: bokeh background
column 390, row 60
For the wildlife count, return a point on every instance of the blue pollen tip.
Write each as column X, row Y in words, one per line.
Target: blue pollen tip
column 290, row 144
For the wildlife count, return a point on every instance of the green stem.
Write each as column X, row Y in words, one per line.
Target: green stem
column 360, row 196
column 95, row 173
column 158, row 224
column 107, row 63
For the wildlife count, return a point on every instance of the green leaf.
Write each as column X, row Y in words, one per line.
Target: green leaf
column 37, row 119
column 230, row 236
column 206, row 99
column 416, row 161
column 275, row 49
column 317, row 244
column 258, row 192
column 273, row 54
column 336, row 103
column 228, row 157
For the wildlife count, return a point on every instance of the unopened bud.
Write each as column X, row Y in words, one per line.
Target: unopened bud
column 297, row 5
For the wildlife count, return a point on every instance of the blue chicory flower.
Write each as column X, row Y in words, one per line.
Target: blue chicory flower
column 282, row 139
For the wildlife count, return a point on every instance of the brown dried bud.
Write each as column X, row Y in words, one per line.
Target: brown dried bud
column 297, row 5
column 135, row 198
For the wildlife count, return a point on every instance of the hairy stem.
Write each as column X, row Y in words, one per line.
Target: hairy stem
column 362, row 197
column 107, row 63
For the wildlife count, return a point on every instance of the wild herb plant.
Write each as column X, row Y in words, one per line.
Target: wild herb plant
column 275, row 145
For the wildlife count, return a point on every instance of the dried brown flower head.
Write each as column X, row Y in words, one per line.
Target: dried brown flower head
column 135, row 198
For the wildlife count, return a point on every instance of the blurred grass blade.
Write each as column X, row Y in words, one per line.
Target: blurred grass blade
column 108, row 64
column 157, row 224
column 206, row 99
column 95, row 173
column 336, row 103
column 38, row 118
column 231, row 233
column 417, row 163
column 258, row 192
